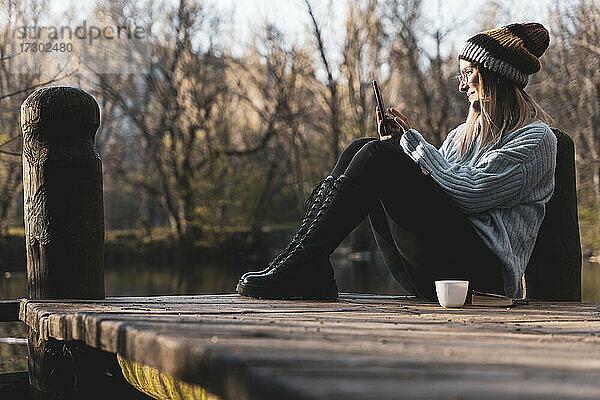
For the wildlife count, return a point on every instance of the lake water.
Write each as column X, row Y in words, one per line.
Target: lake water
column 354, row 273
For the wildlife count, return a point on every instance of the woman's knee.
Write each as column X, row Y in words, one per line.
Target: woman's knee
column 384, row 150
column 349, row 153
column 383, row 145
column 376, row 156
column 358, row 144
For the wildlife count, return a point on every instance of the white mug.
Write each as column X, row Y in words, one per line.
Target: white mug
column 451, row 293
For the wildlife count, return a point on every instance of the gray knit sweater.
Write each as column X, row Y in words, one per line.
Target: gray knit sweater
column 503, row 190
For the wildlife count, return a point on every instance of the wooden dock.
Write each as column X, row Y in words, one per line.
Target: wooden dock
column 361, row 347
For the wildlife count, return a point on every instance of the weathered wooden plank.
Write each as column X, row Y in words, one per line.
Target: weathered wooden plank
column 443, row 381
column 63, row 327
column 194, row 305
column 348, row 316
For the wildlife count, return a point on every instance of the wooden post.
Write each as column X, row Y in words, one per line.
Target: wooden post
column 554, row 269
column 62, row 182
column 64, row 218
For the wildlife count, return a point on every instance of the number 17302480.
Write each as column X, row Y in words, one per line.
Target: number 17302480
column 41, row 47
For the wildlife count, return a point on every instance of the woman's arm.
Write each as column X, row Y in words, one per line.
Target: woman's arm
column 498, row 179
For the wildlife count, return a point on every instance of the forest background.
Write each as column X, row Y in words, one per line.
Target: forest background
column 224, row 134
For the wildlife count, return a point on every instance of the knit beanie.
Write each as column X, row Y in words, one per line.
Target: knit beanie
column 512, row 51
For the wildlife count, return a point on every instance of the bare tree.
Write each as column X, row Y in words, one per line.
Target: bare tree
column 424, row 77
column 332, row 96
column 274, row 88
column 203, row 117
column 363, row 55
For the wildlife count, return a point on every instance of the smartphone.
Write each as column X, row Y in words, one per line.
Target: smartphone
column 381, row 107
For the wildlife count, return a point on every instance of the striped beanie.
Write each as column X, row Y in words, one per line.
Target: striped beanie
column 512, row 51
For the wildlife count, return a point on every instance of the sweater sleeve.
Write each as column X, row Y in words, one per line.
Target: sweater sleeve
column 497, row 180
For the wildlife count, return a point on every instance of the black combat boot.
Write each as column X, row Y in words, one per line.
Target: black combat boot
column 306, row 272
column 318, row 194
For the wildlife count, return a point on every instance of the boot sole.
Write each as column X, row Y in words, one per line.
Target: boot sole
column 276, row 293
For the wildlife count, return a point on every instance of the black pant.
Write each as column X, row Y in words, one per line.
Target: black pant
column 420, row 232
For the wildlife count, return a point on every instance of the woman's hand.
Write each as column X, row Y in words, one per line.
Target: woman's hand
column 396, row 124
column 399, row 118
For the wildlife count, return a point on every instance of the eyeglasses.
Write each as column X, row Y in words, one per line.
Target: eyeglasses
column 465, row 74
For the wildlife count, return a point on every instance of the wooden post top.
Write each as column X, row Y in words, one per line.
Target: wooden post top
column 60, row 114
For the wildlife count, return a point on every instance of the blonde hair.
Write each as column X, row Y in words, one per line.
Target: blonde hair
column 503, row 108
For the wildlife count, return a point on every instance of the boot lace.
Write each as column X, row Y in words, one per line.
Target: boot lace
column 319, row 190
column 322, row 209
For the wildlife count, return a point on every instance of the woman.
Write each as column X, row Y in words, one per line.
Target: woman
column 470, row 210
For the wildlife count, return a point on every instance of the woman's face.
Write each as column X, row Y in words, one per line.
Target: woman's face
column 470, row 82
